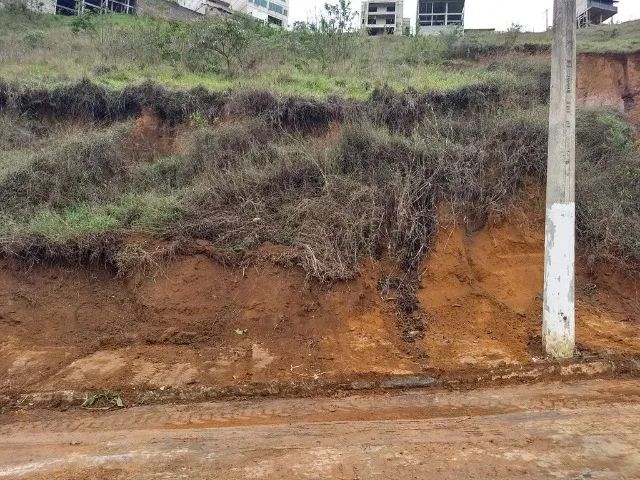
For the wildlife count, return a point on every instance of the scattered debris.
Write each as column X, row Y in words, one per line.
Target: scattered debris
column 103, row 401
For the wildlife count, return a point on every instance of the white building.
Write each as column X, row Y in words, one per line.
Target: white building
column 434, row 16
column 272, row 12
column 384, row 17
column 207, row 7
column 594, row 12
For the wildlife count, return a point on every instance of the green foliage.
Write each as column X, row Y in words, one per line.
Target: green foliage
column 425, row 50
column 337, row 17
column 147, row 212
column 102, row 401
column 218, row 40
column 512, row 35
column 330, row 39
column 317, row 59
column 450, row 38
column 608, row 189
column 35, row 39
column 603, row 134
column 85, row 22
column 160, row 41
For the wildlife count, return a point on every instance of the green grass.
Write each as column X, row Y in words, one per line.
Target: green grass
column 146, row 212
column 617, row 38
column 123, row 50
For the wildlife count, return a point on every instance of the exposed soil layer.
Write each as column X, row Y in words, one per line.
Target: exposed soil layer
column 611, row 80
column 198, row 323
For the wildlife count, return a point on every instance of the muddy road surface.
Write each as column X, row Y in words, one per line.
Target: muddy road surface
column 583, row 429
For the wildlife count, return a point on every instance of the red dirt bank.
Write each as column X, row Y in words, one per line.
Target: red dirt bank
column 611, row 80
column 84, row 330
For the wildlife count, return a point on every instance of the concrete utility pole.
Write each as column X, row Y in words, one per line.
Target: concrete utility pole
column 558, row 316
column 546, row 20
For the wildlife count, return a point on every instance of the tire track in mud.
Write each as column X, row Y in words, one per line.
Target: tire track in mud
column 407, row 405
column 554, row 430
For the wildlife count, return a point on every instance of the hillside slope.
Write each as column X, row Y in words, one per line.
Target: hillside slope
column 183, row 243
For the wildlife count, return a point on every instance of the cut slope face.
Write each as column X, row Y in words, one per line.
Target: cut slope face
column 611, row 80
column 199, row 323
column 484, row 292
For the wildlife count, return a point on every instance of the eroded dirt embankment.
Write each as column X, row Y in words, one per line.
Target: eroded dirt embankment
column 611, row 80
column 198, row 324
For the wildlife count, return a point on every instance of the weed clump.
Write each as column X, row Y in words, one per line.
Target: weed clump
column 82, row 169
column 607, row 190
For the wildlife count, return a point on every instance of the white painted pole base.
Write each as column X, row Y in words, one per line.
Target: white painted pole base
column 558, row 315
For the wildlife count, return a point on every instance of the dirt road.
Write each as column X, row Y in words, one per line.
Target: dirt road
column 588, row 429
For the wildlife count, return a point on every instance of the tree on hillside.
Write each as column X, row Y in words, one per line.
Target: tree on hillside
column 219, row 39
column 338, row 17
column 329, row 39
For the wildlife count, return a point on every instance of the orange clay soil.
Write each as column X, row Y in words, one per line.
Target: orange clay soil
column 197, row 323
column 610, row 80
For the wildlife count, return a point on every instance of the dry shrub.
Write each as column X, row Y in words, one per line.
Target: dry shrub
column 143, row 257
column 340, row 227
column 607, row 190
column 20, row 132
column 294, row 114
column 258, row 177
column 249, row 202
column 221, row 147
column 85, row 100
column 403, row 111
column 77, row 170
column 374, row 192
column 98, row 248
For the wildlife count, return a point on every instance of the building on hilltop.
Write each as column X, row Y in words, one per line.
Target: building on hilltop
column 180, row 9
column 271, row 12
column 433, row 16
column 594, row 12
column 207, row 7
column 384, row 17
column 74, row 7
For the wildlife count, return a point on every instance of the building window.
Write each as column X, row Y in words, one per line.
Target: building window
column 391, row 8
column 371, row 21
column 261, row 3
column 373, row 9
column 274, row 21
column 390, row 21
column 274, row 7
column 440, row 13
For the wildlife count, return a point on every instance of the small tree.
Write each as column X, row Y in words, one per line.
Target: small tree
column 513, row 32
column 337, row 17
column 219, row 39
column 329, row 39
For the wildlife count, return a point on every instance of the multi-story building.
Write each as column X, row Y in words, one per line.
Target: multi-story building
column 178, row 9
column 434, row 16
column 74, row 7
column 384, row 17
column 593, row 12
column 272, row 12
column 207, row 7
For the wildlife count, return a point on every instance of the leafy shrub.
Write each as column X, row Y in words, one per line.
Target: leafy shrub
column 607, row 189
